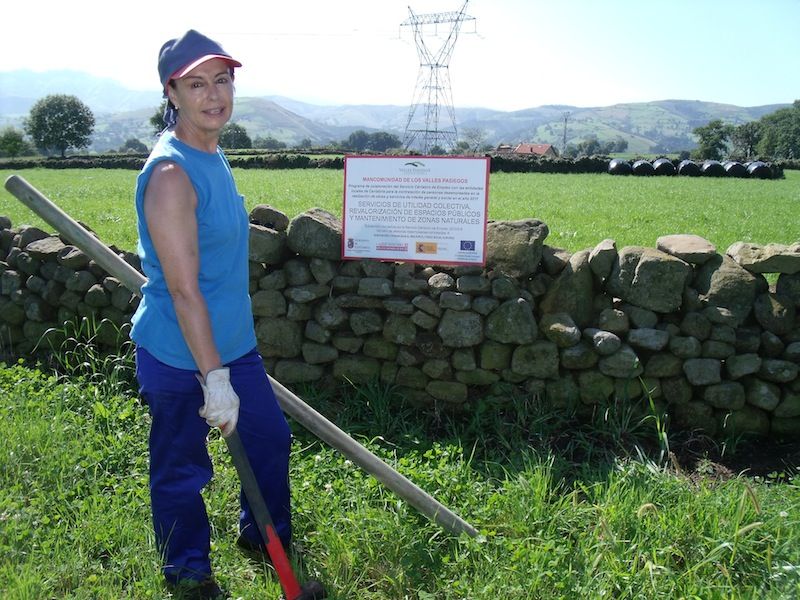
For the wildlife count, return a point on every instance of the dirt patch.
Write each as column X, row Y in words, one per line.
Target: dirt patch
column 700, row 457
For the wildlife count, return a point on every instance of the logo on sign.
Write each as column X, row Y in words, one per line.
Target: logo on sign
column 392, row 247
column 350, row 242
column 426, row 247
column 468, row 245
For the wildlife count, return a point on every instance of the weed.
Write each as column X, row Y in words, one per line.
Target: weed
column 76, row 349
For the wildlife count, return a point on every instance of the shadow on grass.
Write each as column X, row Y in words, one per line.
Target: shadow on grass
column 585, row 443
column 499, row 439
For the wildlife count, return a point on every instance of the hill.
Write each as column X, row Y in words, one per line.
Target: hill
column 120, row 113
column 20, row 89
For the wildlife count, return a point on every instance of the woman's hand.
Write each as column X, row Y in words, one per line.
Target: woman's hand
column 221, row 407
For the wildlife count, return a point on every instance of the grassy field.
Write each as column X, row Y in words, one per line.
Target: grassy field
column 564, row 510
column 580, row 210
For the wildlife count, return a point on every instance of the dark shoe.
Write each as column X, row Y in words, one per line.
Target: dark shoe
column 187, row 589
column 256, row 551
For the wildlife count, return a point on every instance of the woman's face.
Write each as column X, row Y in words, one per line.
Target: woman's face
column 204, row 96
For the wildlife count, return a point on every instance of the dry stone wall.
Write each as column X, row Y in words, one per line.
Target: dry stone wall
column 702, row 334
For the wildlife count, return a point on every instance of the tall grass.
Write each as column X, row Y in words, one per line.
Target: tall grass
column 75, row 351
column 580, row 210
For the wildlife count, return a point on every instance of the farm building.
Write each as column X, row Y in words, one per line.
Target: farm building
column 547, row 150
column 538, row 149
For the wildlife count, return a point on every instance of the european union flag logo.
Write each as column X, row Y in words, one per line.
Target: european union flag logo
column 468, row 245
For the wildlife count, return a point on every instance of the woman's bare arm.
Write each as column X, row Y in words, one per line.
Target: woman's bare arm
column 169, row 208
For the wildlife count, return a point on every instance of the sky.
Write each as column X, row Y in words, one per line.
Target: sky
column 514, row 54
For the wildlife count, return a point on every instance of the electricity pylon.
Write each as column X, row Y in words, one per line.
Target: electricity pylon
column 426, row 127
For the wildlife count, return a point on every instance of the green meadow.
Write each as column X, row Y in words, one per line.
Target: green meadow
column 566, row 509
column 580, row 210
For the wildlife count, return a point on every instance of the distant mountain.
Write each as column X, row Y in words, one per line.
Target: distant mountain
column 120, row 114
column 20, row 89
column 264, row 117
column 659, row 126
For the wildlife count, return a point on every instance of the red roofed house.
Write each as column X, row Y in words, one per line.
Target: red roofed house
column 537, row 149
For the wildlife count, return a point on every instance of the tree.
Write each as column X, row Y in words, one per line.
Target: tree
column 745, row 138
column 781, row 133
column 462, row 147
column 619, row 145
column 133, row 145
column 380, row 141
column 571, row 151
column 234, row 135
column 358, row 141
column 589, row 146
column 474, row 139
column 59, row 122
column 713, row 140
column 12, row 143
column 268, row 143
column 157, row 120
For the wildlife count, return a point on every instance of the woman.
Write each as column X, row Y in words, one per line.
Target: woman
column 196, row 357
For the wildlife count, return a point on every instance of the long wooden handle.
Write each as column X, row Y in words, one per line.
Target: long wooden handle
column 263, row 519
column 289, row 402
column 75, row 233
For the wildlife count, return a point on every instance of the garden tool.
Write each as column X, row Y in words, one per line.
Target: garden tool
column 311, row 590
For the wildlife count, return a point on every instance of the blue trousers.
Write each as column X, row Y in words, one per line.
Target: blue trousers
column 180, row 465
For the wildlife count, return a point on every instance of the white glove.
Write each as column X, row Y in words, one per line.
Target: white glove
column 221, row 408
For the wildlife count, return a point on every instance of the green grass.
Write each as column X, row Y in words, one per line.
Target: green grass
column 580, row 210
column 75, row 520
column 565, row 510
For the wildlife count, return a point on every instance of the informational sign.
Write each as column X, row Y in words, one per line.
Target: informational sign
column 427, row 209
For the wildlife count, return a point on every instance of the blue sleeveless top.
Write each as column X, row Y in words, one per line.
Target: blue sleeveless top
column 223, row 239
